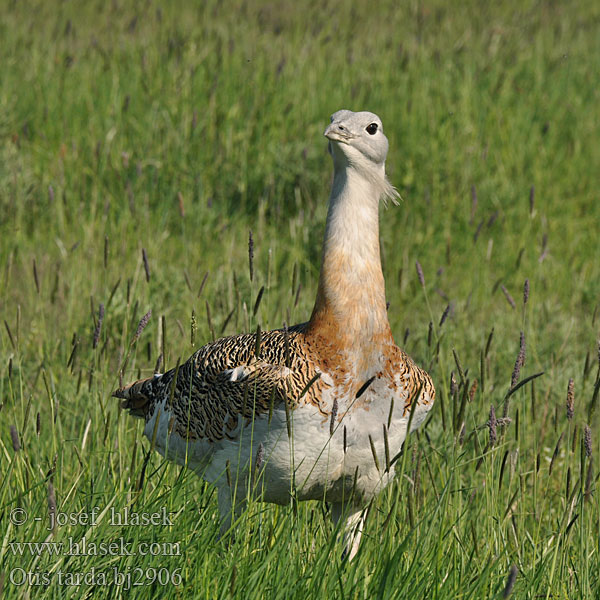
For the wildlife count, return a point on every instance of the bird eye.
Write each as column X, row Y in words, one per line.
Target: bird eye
column 372, row 129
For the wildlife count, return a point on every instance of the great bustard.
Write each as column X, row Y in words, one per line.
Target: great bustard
column 305, row 411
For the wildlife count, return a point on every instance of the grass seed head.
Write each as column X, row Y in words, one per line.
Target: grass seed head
column 203, row 283
column 445, row 315
column 98, row 328
column 492, row 426
column 420, row 273
column 142, row 325
column 14, row 436
column 531, row 199
column 508, row 297
column 473, row 202
column 519, row 362
column 193, row 327
column 463, row 432
column 260, row 456
column 251, row 255
column 334, row 412
column 35, row 277
column 146, row 265
column 587, row 440
column 570, row 400
column 472, row 390
column 525, row 292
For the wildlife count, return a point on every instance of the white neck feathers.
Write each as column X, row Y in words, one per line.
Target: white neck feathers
column 350, row 301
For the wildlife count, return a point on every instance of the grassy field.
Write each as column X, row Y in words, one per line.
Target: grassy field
column 172, row 130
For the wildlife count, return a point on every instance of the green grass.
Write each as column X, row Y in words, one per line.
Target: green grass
column 178, row 129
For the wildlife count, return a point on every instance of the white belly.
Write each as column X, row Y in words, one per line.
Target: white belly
column 311, row 464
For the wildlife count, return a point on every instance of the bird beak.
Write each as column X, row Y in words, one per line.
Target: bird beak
column 337, row 134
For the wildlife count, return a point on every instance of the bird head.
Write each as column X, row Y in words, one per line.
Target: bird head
column 357, row 141
column 357, row 138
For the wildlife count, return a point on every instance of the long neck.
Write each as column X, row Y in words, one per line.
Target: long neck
column 350, row 304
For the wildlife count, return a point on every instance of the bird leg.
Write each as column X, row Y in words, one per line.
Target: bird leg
column 353, row 527
column 228, row 512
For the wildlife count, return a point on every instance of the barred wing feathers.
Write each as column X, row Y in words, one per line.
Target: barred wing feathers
column 225, row 384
